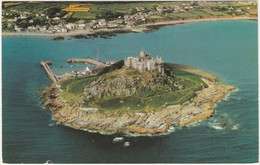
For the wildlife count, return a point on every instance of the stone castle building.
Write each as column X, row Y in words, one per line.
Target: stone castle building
column 145, row 62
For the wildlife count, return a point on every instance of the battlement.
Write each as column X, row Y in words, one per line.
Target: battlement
column 145, row 62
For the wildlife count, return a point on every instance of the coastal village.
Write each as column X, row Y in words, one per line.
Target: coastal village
column 55, row 20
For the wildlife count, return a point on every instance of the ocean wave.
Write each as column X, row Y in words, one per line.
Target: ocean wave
column 51, row 124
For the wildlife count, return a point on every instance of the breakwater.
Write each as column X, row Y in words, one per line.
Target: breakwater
column 48, row 71
column 87, row 60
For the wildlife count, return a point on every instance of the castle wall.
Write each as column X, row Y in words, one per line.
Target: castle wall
column 144, row 62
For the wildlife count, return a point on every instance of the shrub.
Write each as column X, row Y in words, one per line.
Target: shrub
column 115, row 66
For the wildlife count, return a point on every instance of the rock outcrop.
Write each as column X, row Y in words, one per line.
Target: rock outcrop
column 127, row 82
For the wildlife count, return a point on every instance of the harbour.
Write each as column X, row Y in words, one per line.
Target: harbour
column 80, row 73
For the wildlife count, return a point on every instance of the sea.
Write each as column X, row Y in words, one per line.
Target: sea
column 227, row 49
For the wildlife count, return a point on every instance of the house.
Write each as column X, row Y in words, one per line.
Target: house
column 82, row 26
column 71, row 26
column 56, row 18
column 238, row 10
column 22, row 17
column 18, row 29
column 102, row 22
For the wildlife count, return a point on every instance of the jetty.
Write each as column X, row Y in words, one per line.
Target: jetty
column 98, row 66
column 86, row 60
column 46, row 67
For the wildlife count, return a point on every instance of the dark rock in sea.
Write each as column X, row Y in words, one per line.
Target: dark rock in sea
column 105, row 36
column 79, row 37
column 93, row 35
column 58, row 38
column 112, row 34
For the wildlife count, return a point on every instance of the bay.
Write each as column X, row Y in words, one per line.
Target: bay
column 227, row 49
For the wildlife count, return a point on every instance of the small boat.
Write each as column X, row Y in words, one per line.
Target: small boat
column 216, row 125
column 49, row 162
column 126, row 144
column 235, row 127
column 118, row 139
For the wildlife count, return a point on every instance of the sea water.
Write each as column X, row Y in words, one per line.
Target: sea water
column 227, row 49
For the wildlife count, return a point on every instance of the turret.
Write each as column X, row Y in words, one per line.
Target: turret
column 142, row 53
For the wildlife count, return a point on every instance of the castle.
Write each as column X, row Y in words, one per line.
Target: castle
column 145, row 62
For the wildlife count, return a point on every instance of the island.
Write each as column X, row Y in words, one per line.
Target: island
column 136, row 96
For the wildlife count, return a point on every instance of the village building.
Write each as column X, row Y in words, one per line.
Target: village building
column 81, row 26
column 145, row 62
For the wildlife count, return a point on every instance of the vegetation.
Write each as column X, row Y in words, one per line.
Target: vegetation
column 74, row 88
column 145, row 99
column 113, row 67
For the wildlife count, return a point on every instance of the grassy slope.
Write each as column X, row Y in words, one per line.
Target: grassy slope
column 98, row 10
column 73, row 90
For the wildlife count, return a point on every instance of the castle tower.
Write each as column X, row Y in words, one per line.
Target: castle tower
column 142, row 53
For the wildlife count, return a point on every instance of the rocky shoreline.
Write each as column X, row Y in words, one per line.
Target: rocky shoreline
column 161, row 122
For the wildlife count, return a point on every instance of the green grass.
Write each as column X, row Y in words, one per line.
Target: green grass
column 143, row 103
column 84, row 15
column 183, row 14
column 38, row 7
column 213, row 13
column 76, row 86
column 99, row 9
column 200, row 13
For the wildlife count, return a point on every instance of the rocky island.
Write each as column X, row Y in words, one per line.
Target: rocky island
column 136, row 96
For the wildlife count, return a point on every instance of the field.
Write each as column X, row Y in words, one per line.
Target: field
column 213, row 13
column 39, row 7
column 101, row 10
column 195, row 14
